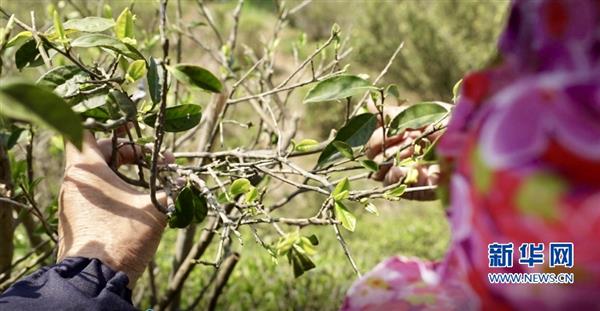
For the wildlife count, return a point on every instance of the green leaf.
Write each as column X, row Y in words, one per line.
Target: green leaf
column 306, row 145
column 356, row 133
column 286, row 242
column 296, row 264
column 178, row 118
column 58, row 26
column 338, row 87
column 392, row 90
column 189, row 207
column 430, row 153
column 307, row 246
column 153, row 81
column 371, row 208
column 107, row 42
column 124, row 28
column 63, row 80
column 344, row 149
column 370, row 165
column 313, row 239
column 98, row 113
column 124, row 102
column 341, row 196
column 90, row 24
column 107, row 11
column 223, row 198
column 416, row 116
column 200, row 208
column 196, row 76
column 58, row 76
column 19, row 39
column 26, row 54
column 10, row 137
column 29, row 102
column 89, row 103
column 412, row 176
column 251, row 195
column 341, row 190
column 240, row 186
column 306, row 262
column 456, row 90
column 300, row 262
column 136, row 70
column 396, row 193
column 347, row 219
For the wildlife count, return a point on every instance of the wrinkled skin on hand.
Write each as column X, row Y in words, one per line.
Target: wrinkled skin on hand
column 101, row 216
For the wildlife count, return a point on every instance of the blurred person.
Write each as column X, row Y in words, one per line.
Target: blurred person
column 521, row 164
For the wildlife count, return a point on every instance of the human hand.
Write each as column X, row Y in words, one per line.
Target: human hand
column 427, row 174
column 101, row 216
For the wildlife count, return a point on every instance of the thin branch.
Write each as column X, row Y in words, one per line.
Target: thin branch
column 300, row 222
column 222, row 278
column 159, row 125
column 280, row 89
column 210, row 21
column 24, row 271
column 342, row 242
column 381, row 74
column 308, row 60
column 236, row 22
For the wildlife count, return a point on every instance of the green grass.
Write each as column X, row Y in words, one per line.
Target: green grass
column 405, row 228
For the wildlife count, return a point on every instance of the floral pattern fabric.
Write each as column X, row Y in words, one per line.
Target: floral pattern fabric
column 522, row 158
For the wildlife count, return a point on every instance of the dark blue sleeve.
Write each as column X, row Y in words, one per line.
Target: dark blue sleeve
column 76, row 283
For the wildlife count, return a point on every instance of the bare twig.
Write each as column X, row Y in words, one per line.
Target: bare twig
column 340, row 239
column 159, row 125
column 381, row 74
column 222, row 278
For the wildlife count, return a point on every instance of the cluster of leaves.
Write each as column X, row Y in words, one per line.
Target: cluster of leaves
column 68, row 94
column 297, row 249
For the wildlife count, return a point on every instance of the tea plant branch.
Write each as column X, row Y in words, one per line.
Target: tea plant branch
column 16, row 203
column 159, row 123
column 221, row 279
column 152, row 282
column 203, row 291
column 210, row 21
column 300, row 222
column 231, row 42
column 188, row 263
column 282, row 89
column 342, row 242
column 50, row 45
column 25, row 257
column 299, row 7
column 379, row 77
column 26, row 269
column 40, row 45
column 28, row 196
column 308, row 60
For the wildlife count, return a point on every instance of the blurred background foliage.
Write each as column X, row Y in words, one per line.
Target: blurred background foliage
column 443, row 39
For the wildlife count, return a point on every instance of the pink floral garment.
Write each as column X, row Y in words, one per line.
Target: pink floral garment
column 522, row 157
